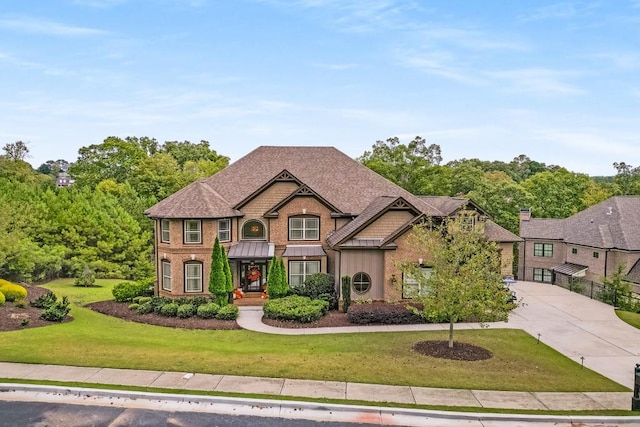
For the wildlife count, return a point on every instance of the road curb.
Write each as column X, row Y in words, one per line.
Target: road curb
column 274, row 407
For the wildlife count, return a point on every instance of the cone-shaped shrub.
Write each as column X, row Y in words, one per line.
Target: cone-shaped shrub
column 217, row 278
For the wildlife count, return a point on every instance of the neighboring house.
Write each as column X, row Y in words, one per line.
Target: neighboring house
column 591, row 244
column 315, row 207
column 64, row 180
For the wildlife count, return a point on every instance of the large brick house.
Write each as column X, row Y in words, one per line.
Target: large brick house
column 315, row 207
column 591, row 244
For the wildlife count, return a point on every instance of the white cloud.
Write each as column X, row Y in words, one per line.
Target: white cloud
column 539, row 81
column 42, row 26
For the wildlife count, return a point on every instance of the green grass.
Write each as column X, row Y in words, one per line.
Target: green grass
column 629, row 317
column 93, row 339
column 101, row 291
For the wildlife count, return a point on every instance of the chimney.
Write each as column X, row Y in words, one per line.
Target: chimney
column 525, row 214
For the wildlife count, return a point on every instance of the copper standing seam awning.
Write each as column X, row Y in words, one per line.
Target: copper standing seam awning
column 251, row 250
column 569, row 269
column 304, row 250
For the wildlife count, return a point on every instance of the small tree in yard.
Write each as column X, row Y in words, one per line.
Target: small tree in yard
column 276, row 286
column 227, row 274
column 465, row 283
column 617, row 291
column 86, row 279
column 284, row 280
column 217, row 277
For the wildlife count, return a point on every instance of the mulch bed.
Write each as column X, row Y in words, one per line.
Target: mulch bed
column 459, row 351
column 121, row 310
column 12, row 317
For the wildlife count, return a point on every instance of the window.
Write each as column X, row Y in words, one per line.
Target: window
column 224, row 230
column 299, row 270
column 253, row 229
column 193, row 231
column 166, row 276
column 542, row 275
column 361, row 283
column 411, row 287
column 543, row 249
column 304, row 228
column 596, row 254
column 467, row 222
column 193, row 277
column 574, row 250
column 165, row 235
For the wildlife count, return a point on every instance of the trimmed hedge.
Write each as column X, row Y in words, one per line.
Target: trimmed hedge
column 208, row 311
column 170, row 309
column 383, row 313
column 228, row 312
column 186, row 310
column 297, row 308
column 145, row 308
column 127, row 291
column 13, row 292
column 2, row 298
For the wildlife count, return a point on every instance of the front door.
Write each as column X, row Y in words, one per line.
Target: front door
column 252, row 276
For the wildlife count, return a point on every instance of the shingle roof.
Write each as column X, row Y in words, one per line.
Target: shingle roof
column 612, row 224
column 342, row 181
column 446, row 205
column 197, row 200
column 495, row 233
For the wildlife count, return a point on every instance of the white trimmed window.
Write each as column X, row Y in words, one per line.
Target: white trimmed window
column 304, row 228
column 542, row 275
column 412, row 287
column 193, row 276
column 192, row 231
column 361, row 283
column 299, row 270
column 166, row 276
column 165, row 234
column 224, row 230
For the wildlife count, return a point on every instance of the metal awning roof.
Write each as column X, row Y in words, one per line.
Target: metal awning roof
column 252, row 250
column 571, row 269
column 304, row 250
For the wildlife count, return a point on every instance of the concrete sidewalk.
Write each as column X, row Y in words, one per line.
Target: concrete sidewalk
column 319, row 389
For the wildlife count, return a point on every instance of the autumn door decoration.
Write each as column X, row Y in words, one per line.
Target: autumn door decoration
column 253, row 274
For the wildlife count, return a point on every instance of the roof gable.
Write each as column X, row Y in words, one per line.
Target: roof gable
column 302, row 191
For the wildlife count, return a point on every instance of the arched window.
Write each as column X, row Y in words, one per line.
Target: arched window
column 253, row 229
column 361, row 283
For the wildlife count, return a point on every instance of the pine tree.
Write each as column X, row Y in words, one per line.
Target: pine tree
column 227, row 272
column 283, row 282
column 217, row 277
column 273, row 278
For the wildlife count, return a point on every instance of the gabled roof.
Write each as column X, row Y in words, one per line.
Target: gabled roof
column 450, row 205
column 379, row 206
column 612, row 224
column 303, row 190
column 197, row 200
column 495, row 233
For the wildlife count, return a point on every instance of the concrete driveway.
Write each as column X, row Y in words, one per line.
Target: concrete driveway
column 578, row 327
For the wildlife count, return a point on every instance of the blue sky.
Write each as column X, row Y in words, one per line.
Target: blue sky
column 557, row 81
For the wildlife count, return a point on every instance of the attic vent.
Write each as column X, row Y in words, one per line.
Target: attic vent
column 399, row 204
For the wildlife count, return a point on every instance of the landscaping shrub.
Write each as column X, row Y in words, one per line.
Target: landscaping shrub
column 45, row 301
column 346, row 293
column 208, row 311
column 127, row 291
column 169, row 309
column 319, row 286
column 382, row 313
column 2, row 298
column 145, row 308
column 13, row 292
column 57, row 311
column 158, row 303
column 295, row 307
column 228, row 312
column 186, row 310
column 21, row 303
column 134, row 306
column 142, row 300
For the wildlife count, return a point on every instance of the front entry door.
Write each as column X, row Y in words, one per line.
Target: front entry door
column 252, row 276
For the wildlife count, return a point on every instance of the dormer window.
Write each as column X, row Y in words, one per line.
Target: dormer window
column 253, row 230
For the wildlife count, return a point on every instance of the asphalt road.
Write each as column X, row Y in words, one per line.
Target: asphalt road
column 41, row 414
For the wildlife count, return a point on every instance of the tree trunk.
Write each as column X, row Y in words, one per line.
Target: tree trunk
column 451, row 333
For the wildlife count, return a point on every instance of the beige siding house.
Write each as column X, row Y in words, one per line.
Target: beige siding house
column 315, row 207
column 589, row 245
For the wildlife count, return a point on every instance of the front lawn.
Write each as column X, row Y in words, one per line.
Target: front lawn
column 629, row 317
column 93, row 339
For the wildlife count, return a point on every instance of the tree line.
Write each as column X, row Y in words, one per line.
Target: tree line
column 98, row 223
